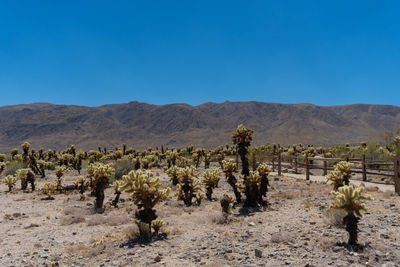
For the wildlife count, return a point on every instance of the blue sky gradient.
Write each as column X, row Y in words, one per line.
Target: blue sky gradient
column 160, row 52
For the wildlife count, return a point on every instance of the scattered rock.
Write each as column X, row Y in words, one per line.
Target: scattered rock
column 258, row 253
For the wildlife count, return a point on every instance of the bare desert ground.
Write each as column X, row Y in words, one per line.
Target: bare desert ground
column 297, row 228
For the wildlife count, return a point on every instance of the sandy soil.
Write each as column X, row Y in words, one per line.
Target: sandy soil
column 297, row 229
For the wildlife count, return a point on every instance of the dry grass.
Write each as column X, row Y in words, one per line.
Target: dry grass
column 281, row 237
column 99, row 219
column 334, row 217
column 72, row 219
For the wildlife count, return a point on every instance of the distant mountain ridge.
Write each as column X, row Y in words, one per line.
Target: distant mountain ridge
column 141, row 125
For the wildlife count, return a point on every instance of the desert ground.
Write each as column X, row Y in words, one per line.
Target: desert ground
column 296, row 228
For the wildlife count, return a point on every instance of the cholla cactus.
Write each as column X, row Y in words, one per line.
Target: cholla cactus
column 48, row 189
column 211, row 178
column 173, row 174
column 229, row 169
column 219, row 156
column 101, row 176
column 26, row 175
column 340, row 175
column 118, row 188
column 136, row 163
column 207, row 158
column 171, row 156
column 2, row 166
column 344, row 168
column 226, row 204
column 25, row 148
column 263, row 170
column 242, row 138
column 188, row 186
column 336, row 178
column 10, row 181
column 146, row 193
column 60, row 171
column 43, row 165
column 157, row 224
column 250, row 186
column 81, row 184
column 350, row 199
column 197, row 154
column 13, row 153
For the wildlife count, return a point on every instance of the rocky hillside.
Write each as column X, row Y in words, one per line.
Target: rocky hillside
column 141, row 125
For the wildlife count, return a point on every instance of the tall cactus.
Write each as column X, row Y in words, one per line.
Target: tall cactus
column 211, row 178
column 146, row 193
column 229, row 169
column 350, row 199
column 101, row 177
column 242, row 138
column 188, row 186
column 26, row 176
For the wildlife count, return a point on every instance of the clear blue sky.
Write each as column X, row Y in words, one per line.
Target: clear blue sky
column 97, row 52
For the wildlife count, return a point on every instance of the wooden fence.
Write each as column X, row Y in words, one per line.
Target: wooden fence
column 365, row 167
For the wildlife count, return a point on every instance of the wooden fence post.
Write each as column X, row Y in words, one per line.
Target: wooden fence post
column 307, row 167
column 295, row 164
column 396, row 175
column 325, row 167
column 364, row 169
column 279, row 164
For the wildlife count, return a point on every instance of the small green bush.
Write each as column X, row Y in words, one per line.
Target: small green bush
column 12, row 167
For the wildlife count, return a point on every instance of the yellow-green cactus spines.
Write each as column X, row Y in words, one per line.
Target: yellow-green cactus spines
column 351, row 199
column 211, row 178
column 229, row 167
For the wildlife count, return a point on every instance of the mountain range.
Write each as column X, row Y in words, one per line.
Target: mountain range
column 141, row 125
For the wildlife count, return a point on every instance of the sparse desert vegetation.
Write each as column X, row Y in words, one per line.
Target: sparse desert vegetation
column 171, row 206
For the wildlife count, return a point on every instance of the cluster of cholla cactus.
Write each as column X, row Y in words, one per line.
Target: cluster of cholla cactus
column 173, row 174
column 60, row 171
column 226, row 204
column 81, row 183
column 340, row 175
column 118, row 187
column 351, row 199
column 10, row 181
column 26, row 176
column 211, row 178
column 49, row 189
column 146, row 193
column 189, row 187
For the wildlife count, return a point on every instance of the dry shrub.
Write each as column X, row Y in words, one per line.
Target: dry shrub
column 131, row 231
column 334, row 217
column 371, row 188
column 388, row 194
column 326, row 243
column 171, row 208
column 75, row 211
column 221, row 218
column 118, row 220
column 281, row 237
column 72, row 219
column 89, row 252
column 286, row 195
column 12, row 167
column 99, row 219
column 122, row 167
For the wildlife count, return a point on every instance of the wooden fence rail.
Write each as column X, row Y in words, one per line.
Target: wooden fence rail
column 363, row 166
